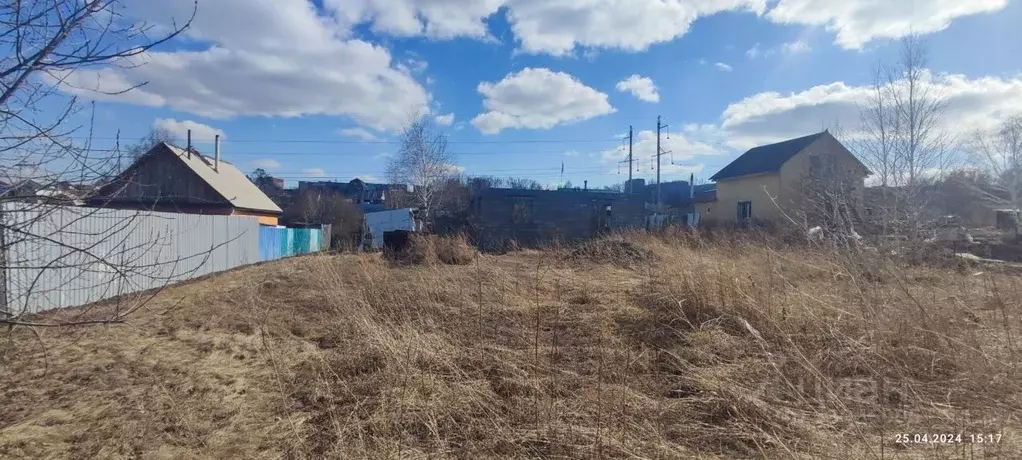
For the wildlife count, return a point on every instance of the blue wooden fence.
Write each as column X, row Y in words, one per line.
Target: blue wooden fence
column 277, row 243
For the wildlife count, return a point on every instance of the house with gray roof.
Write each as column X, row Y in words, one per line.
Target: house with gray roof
column 173, row 179
column 788, row 179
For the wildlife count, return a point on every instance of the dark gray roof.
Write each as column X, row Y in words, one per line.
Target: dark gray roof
column 766, row 158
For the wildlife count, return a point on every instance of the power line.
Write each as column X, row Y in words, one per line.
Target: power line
column 367, row 154
column 376, row 142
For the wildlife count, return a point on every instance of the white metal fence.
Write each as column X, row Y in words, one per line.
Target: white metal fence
column 68, row 256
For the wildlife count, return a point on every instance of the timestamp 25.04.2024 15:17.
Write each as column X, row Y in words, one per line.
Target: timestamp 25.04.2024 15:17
column 947, row 438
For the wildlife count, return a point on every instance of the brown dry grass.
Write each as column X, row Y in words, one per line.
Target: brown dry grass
column 709, row 350
column 431, row 250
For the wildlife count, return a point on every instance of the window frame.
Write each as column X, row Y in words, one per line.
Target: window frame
column 742, row 206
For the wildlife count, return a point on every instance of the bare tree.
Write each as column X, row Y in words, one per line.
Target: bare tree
column 1000, row 153
column 876, row 142
column 904, row 136
column 47, row 42
column 154, row 138
column 879, row 126
column 479, row 183
column 423, row 162
column 523, row 183
column 921, row 139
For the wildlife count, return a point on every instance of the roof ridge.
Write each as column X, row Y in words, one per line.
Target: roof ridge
column 766, row 158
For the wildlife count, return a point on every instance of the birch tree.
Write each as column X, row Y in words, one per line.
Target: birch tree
column 921, row 140
column 424, row 162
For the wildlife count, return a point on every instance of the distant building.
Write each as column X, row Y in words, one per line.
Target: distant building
column 271, row 186
column 58, row 193
column 532, row 217
column 20, row 189
column 382, row 222
column 172, row 179
column 372, row 197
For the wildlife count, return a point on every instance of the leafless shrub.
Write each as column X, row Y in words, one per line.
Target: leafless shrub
column 454, row 250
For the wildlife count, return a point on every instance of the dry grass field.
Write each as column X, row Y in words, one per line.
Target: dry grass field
column 630, row 347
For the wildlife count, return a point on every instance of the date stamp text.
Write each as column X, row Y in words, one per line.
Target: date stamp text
column 947, row 438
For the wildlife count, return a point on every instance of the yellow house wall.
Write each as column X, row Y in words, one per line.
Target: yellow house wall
column 756, row 189
column 797, row 168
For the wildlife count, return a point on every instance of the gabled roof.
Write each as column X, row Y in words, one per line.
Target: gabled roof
column 766, row 158
column 228, row 181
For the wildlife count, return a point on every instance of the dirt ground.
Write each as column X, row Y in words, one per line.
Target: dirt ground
column 701, row 350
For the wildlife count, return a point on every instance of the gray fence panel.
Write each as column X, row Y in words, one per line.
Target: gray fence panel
column 70, row 256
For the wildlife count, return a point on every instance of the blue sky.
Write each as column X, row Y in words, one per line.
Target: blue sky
column 320, row 90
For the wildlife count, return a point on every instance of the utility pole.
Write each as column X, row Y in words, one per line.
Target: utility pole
column 630, row 161
column 659, row 153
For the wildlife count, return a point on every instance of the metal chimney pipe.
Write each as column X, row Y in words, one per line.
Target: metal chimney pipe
column 216, row 153
column 189, row 149
column 692, row 185
column 585, row 185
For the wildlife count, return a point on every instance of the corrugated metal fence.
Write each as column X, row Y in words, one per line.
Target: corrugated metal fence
column 278, row 242
column 68, row 256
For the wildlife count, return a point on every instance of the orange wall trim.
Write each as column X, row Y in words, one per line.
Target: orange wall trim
column 264, row 219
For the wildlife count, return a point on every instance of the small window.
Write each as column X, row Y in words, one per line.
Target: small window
column 744, row 211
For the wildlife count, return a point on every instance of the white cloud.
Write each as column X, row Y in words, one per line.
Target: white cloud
column 537, row 99
column 359, row 133
column 770, row 117
column 560, row 27
column 413, row 65
column 723, row 67
column 858, row 22
column 273, row 58
column 557, row 27
column 441, row 19
column 368, row 178
column 314, row 172
column 755, row 51
column 571, row 153
column 796, row 47
column 640, row 87
column 266, row 163
column 445, row 120
column 790, row 48
column 200, row 132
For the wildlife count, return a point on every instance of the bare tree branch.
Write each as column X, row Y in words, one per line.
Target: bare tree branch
column 41, row 163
